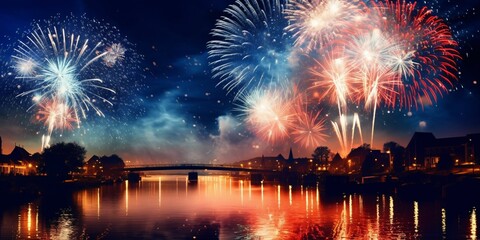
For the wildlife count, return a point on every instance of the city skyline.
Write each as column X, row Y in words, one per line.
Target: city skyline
column 179, row 113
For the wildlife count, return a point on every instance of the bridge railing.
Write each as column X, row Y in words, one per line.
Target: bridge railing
column 183, row 165
column 225, row 167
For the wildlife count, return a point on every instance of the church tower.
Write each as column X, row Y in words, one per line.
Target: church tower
column 290, row 157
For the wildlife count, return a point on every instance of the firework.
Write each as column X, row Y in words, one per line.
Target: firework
column 75, row 62
column 308, row 129
column 316, row 23
column 331, row 79
column 269, row 113
column 250, row 48
column 59, row 69
column 370, row 54
column 426, row 63
column 115, row 53
column 409, row 55
column 54, row 115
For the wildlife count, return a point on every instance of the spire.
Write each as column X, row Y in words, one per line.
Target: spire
column 290, row 155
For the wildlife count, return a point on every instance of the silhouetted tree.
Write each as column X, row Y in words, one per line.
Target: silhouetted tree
column 321, row 155
column 62, row 159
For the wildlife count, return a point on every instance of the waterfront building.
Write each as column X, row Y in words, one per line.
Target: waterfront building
column 425, row 150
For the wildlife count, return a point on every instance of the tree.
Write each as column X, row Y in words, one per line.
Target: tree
column 63, row 159
column 321, row 155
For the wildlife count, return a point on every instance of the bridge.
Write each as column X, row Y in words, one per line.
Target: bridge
column 193, row 176
column 216, row 167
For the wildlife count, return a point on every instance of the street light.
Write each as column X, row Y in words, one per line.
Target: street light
column 390, row 159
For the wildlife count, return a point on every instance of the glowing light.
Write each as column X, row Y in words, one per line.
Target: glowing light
column 278, row 196
column 415, row 216
column 160, row 191
column 98, row 203
column 391, row 210
column 473, row 224
column 241, row 190
column 290, row 194
column 29, row 218
column 126, row 198
column 444, row 221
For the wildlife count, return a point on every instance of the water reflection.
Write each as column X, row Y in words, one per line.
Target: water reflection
column 444, row 222
column 473, row 224
column 415, row 216
column 166, row 207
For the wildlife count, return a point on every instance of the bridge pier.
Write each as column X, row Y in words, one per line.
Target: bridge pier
column 134, row 177
column 256, row 178
column 192, row 177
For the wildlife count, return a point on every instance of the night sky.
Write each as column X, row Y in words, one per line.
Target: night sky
column 177, row 113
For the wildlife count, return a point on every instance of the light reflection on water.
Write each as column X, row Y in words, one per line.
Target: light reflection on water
column 168, row 207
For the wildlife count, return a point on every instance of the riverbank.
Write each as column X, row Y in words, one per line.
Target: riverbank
column 20, row 189
column 450, row 188
column 445, row 186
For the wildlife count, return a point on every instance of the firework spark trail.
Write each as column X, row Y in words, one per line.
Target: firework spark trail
column 54, row 115
column 356, row 123
column 250, row 48
column 316, row 23
column 333, row 78
column 308, row 127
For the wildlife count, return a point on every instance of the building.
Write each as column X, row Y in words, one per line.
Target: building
column 424, row 150
column 265, row 162
column 356, row 157
column 338, row 165
column 18, row 162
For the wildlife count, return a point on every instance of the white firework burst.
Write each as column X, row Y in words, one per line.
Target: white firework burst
column 115, row 53
column 250, row 48
column 56, row 64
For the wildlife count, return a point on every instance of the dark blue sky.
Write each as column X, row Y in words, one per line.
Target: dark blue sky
column 186, row 117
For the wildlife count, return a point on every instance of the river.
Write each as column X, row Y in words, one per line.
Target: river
column 224, row 207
